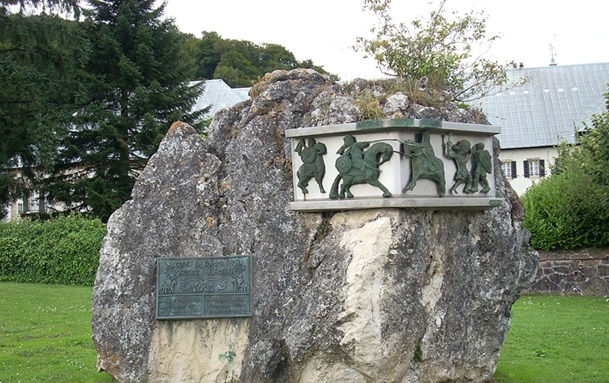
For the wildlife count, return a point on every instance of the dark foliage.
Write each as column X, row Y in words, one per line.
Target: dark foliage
column 240, row 63
column 41, row 60
column 136, row 86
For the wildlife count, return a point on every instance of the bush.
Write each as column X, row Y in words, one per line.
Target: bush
column 64, row 250
column 564, row 211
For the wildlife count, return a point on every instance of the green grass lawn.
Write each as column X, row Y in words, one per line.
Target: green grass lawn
column 45, row 336
column 556, row 339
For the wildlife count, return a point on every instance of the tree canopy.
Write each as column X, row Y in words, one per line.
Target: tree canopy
column 66, row 6
column 240, row 63
column 86, row 101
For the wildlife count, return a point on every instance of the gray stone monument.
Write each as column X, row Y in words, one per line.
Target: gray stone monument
column 380, row 294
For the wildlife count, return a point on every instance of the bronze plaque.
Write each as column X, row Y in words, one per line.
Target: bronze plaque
column 213, row 287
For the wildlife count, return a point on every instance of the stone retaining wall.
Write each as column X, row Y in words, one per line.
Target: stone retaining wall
column 577, row 272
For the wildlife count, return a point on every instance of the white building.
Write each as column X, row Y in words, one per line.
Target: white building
column 535, row 117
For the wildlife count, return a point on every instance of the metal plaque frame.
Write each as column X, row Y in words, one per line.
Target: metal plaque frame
column 209, row 287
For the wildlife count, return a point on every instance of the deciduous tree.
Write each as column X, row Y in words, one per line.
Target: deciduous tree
column 437, row 50
column 241, row 63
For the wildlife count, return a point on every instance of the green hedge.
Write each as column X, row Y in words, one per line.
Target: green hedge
column 566, row 211
column 64, row 250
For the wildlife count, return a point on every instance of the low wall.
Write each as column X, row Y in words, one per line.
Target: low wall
column 577, row 272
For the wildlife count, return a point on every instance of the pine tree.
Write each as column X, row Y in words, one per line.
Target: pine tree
column 136, row 87
column 65, row 6
column 40, row 58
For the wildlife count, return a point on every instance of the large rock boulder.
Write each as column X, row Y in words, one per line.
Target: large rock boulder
column 398, row 295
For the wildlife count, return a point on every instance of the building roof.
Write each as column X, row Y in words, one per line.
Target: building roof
column 219, row 95
column 550, row 107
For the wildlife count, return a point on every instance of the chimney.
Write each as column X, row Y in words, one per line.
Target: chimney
column 552, row 61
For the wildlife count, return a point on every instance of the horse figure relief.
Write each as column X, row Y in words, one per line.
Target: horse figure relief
column 359, row 163
column 424, row 164
column 313, row 165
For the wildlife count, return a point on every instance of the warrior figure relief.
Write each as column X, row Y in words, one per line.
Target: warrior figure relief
column 312, row 164
column 460, row 152
column 424, row 164
column 483, row 165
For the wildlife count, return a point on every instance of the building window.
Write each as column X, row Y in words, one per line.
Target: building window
column 534, row 167
column 26, row 203
column 509, row 169
column 32, row 203
column 37, row 203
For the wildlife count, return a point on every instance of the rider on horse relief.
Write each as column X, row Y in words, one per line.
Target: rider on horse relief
column 354, row 151
column 356, row 166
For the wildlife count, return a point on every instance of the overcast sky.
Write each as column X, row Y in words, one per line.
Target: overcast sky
column 325, row 30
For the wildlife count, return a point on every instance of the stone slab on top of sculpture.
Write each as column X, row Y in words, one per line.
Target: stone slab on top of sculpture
column 373, row 295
